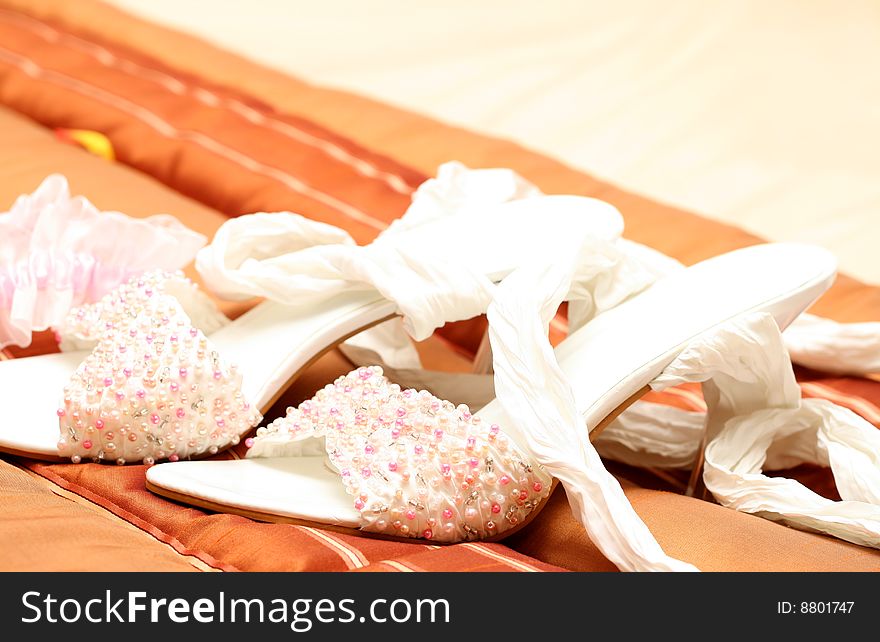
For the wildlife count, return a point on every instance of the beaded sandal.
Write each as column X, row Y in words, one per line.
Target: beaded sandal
column 365, row 456
column 155, row 387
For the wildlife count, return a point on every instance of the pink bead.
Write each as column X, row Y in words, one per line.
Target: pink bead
column 217, row 375
column 249, row 442
column 471, row 443
column 537, row 486
column 154, row 418
column 427, row 533
column 474, row 462
column 108, row 382
column 494, row 428
column 368, row 449
column 61, row 412
column 496, row 508
column 410, row 514
column 365, row 472
column 401, row 412
column 395, row 433
column 173, row 458
column 392, row 466
column 182, row 373
column 181, row 413
column 504, row 480
column 438, row 434
column 140, row 394
column 126, row 372
column 447, row 513
column 358, row 504
column 418, row 449
column 87, row 444
column 99, row 424
column 120, row 395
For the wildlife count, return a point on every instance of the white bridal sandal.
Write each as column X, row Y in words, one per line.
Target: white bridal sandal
column 142, row 382
column 364, row 455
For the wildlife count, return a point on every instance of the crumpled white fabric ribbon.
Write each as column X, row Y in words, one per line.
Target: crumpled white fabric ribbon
column 756, row 419
column 540, row 409
column 837, row 348
column 287, row 257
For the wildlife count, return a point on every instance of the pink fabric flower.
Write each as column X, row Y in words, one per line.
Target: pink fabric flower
column 58, row 251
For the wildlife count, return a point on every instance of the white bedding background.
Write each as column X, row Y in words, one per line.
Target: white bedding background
column 761, row 114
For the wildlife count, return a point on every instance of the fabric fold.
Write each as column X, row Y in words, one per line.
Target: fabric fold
column 757, row 420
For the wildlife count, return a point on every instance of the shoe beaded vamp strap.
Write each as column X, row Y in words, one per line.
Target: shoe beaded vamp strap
column 153, row 386
column 415, row 465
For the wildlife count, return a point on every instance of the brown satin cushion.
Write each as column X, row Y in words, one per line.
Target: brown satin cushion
column 41, row 530
column 708, row 536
